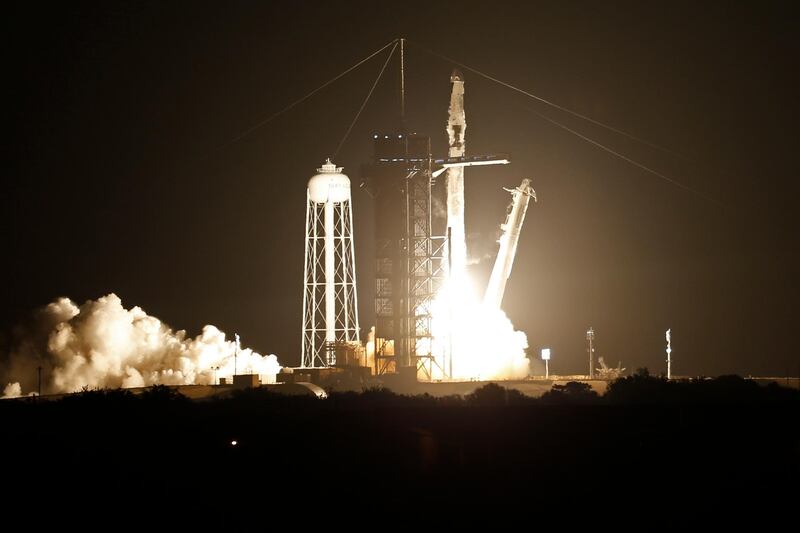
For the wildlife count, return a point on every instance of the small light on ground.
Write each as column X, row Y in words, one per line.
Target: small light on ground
column 234, row 443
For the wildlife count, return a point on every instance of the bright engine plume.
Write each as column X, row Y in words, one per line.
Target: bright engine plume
column 102, row 344
column 482, row 339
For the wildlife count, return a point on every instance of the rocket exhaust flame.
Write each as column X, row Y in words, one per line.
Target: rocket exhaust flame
column 102, row 344
column 484, row 342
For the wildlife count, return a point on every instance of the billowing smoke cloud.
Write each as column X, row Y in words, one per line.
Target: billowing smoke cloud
column 102, row 344
column 12, row 390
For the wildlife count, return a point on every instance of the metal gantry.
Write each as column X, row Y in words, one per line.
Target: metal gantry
column 426, row 273
column 410, row 254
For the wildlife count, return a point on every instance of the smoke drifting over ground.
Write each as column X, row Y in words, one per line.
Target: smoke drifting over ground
column 12, row 390
column 102, row 344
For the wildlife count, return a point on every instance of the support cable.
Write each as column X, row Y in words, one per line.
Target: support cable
column 364, row 104
column 588, row 119
column 552, row 104
column 402, row 81
column 629, row 160
column 306, row 97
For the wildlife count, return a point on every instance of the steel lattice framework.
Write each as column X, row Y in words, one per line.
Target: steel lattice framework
column 330, row 282
column 425, row 270
column 409, row 251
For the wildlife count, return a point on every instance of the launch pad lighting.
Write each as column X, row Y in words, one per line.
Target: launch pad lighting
column 546, row 359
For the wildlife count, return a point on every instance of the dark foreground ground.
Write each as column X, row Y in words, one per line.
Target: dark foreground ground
column 113, row 460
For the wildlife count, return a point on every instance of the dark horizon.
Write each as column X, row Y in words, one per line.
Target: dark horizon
column 122, row 177
column 241, row 457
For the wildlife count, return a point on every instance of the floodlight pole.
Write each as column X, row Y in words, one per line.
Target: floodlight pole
column 546, row 359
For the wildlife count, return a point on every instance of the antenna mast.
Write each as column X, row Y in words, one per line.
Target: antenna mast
column 590, row 350
column 402, row 80
column 669, row 352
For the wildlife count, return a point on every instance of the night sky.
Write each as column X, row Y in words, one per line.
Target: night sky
column 120, row 174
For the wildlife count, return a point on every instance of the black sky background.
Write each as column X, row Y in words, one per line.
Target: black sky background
column 119, row 174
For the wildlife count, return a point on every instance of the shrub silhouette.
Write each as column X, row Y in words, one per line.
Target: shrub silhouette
column 162, row 394
column 573, row 392
column 492, row 394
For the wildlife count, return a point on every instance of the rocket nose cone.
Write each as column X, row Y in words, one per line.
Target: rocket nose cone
column 456, row 76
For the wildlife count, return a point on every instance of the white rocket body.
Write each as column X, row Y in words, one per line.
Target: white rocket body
column 456, row 127
column 508, row 243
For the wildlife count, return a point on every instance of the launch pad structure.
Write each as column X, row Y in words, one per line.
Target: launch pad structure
column 419, row 245
column 410, row 252
column 413, row 252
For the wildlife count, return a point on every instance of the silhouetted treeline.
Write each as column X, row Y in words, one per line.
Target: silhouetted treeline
column 703, row 444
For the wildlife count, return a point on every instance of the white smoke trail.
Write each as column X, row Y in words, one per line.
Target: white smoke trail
column 102, row 344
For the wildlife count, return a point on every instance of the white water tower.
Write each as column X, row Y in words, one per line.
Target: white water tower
column 329, row 296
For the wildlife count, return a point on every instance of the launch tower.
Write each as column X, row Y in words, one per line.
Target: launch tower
column 409, row 251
